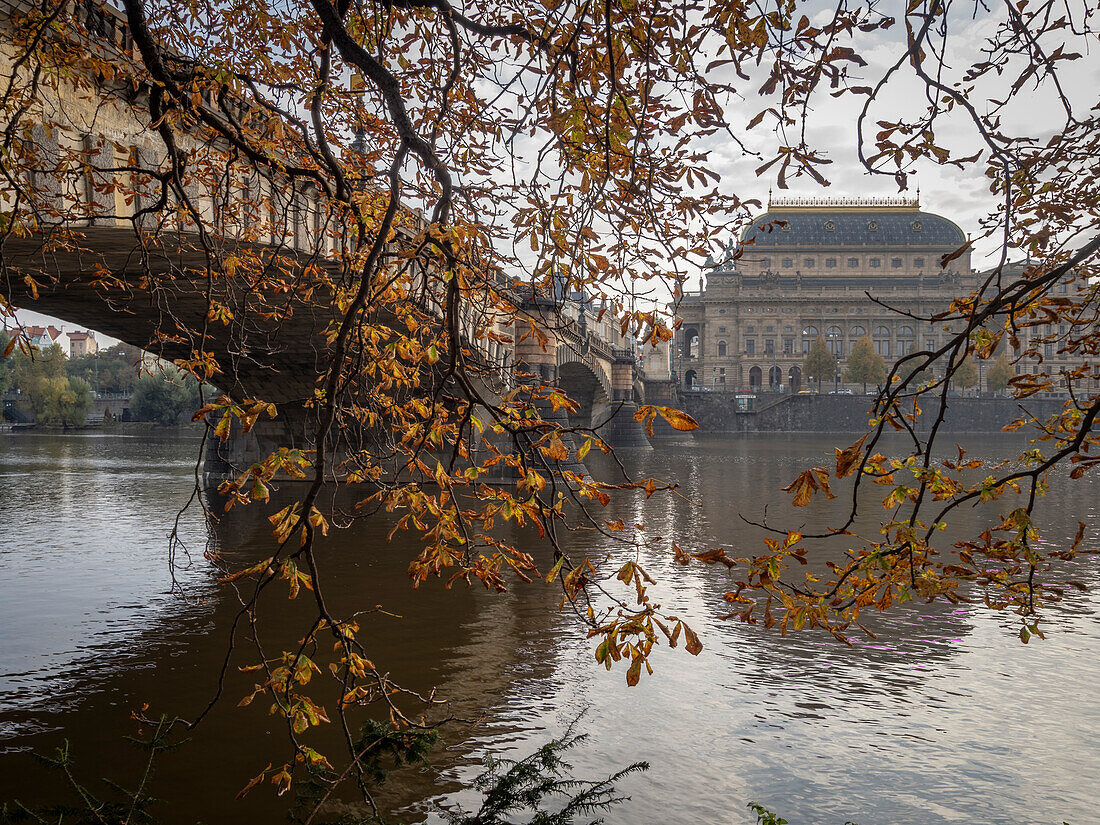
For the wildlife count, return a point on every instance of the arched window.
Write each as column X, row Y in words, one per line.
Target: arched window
column 857, row 332
column 695, row 345
column 834, row 338
column 795, row 381
column 905, row 340
column 882, row 341
column 809, row 335
column 721, row 349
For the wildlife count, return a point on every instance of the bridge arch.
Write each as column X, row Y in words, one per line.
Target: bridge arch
column 585, row 383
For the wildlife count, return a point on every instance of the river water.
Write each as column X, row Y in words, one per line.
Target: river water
column 945, row 718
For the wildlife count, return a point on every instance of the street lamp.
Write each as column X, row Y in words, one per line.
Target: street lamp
column 836, row 354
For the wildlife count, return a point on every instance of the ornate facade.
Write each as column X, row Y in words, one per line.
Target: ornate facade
column 833, row 268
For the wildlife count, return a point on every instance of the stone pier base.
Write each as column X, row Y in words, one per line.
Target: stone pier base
column 615, row 424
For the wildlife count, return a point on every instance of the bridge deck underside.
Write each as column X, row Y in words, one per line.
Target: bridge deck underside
column 162, row 291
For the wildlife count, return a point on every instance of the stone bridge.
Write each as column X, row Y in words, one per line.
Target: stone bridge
column 155, row 286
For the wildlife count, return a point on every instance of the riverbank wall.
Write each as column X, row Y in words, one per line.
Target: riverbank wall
column 719, row 412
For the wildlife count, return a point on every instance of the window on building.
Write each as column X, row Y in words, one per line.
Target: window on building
column 808, row 263
column 853, row 263
column 769, row 346
column 721, row 329
column 809, row 335
column 929, row 344
column 788, row 346
column 830, row 263
column 1062, row 288
column 765, row 262
column 895, row 263
column 788, row 263
column 918, row 262
column 882, row 341
column 750, row 346
column 769, row 329
column 721, row 349
column 750, row 329
column 834, row 340
column 905, row 340
column 874, row 262
column 857, row 332
column 1048, row 350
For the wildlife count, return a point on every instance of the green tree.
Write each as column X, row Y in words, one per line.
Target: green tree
column 164, row 397
column 865, row 366
column 52, row 395
column 966, row 374
column 1000, row 374
column 7, row 364
column 38, row 364
column 820, row 363
column 112, row 370
column 57, row 399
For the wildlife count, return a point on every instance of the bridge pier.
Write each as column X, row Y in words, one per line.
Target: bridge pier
column 537, row 364
column 615, row 420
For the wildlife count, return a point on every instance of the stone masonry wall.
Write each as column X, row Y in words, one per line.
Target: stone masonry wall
column 715, row 413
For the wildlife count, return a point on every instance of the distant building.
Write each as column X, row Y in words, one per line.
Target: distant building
column 44, row 337
column 1052, row 357
column 81, row 344
column 807, row 269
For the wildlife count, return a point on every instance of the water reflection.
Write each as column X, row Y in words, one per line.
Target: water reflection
column 944, row 717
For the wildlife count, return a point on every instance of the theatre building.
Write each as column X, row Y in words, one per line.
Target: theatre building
column 829, row 268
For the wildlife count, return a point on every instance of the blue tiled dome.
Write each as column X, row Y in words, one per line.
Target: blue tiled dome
column 846, row 227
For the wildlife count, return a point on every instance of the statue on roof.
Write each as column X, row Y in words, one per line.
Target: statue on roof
column 729, row 254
